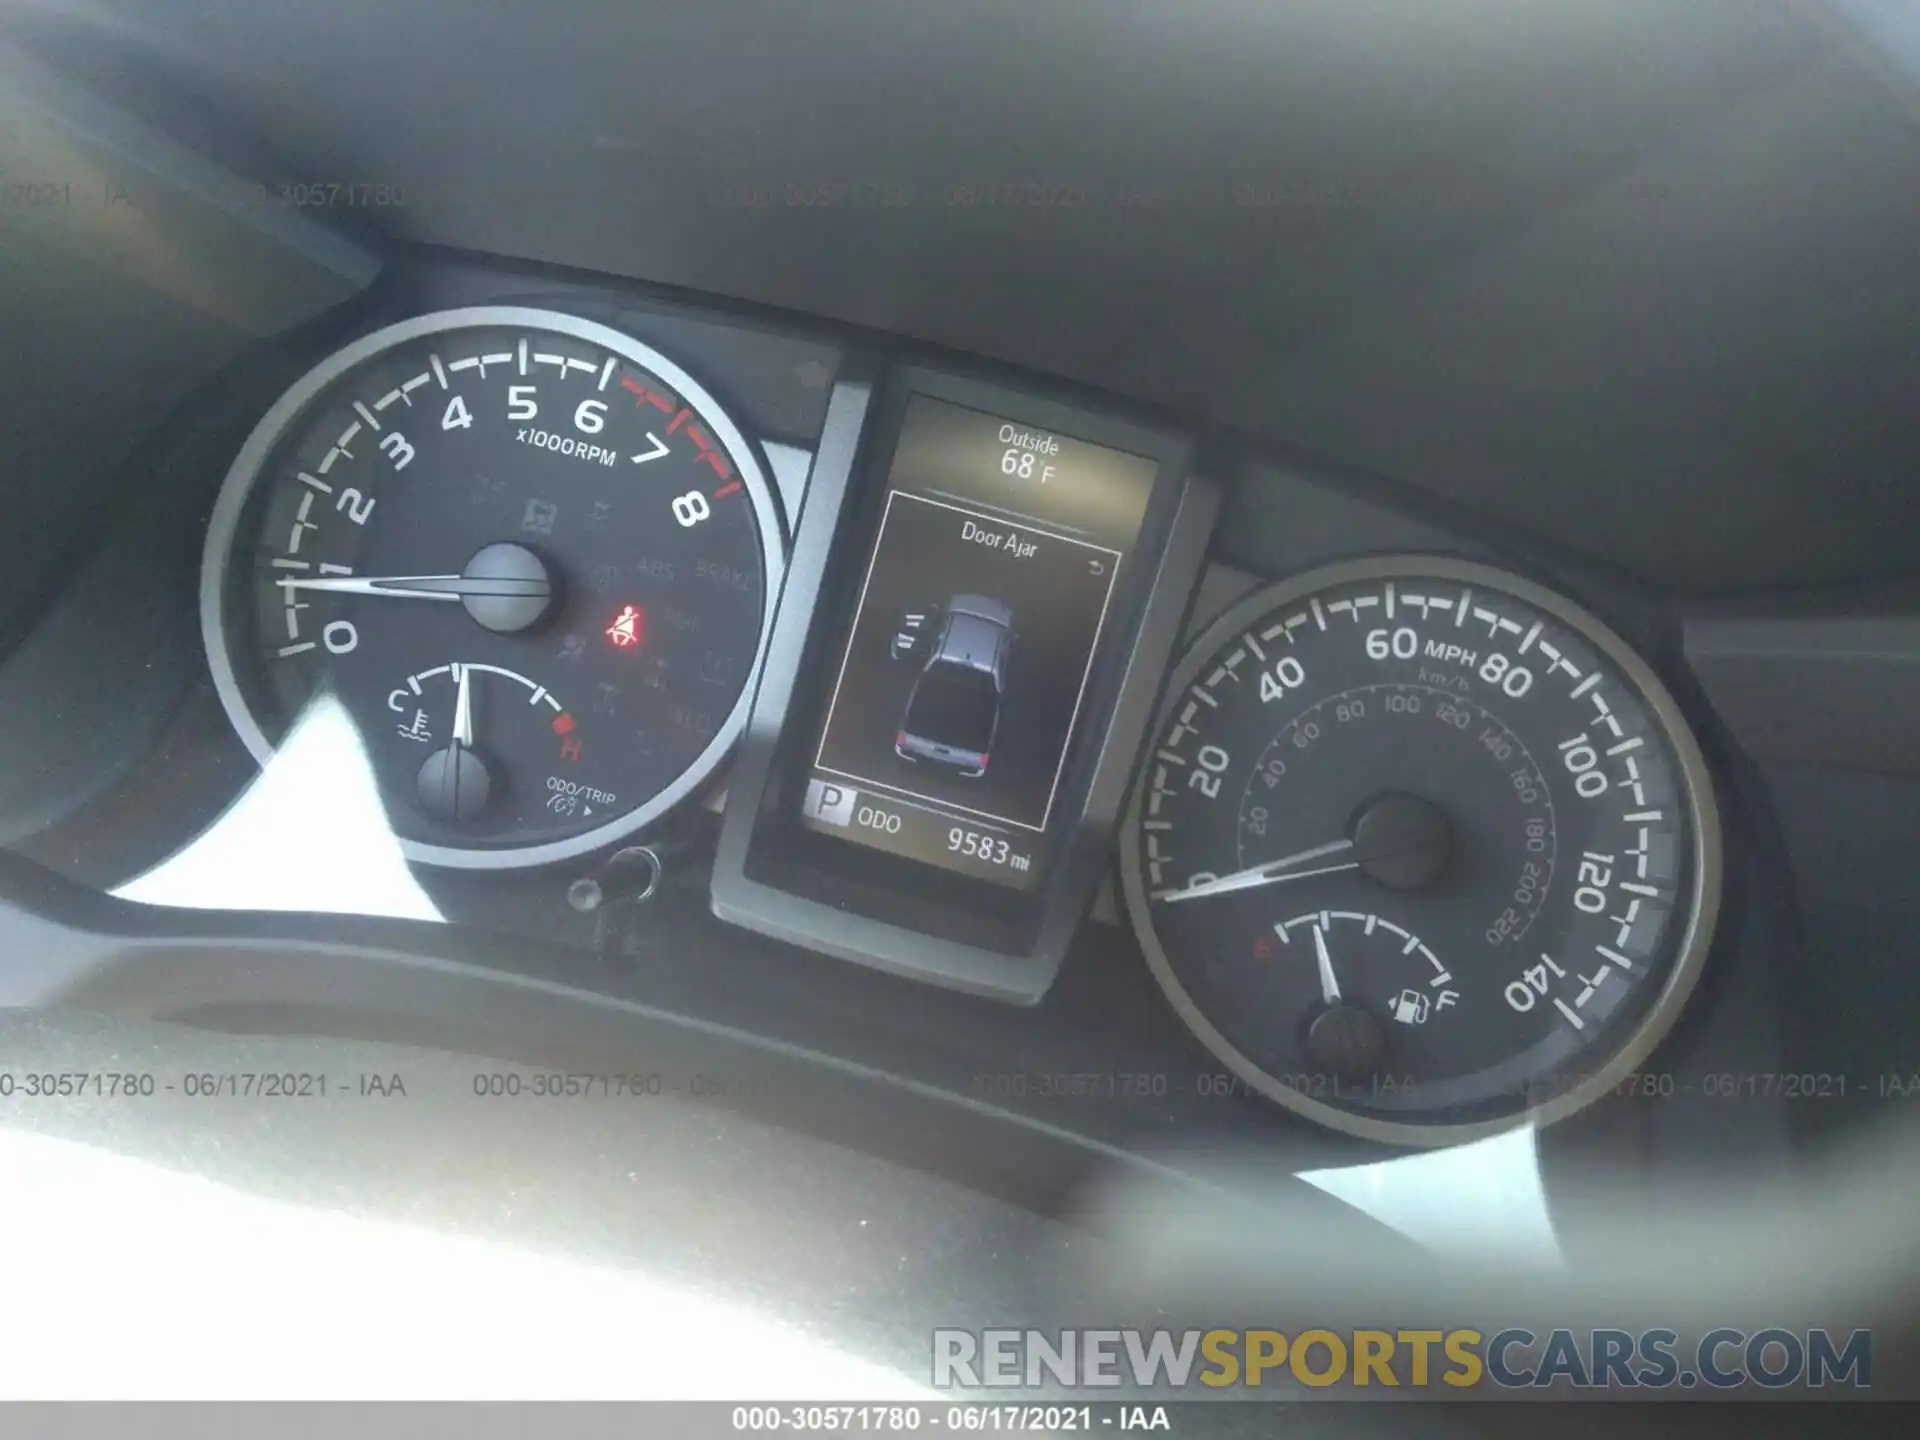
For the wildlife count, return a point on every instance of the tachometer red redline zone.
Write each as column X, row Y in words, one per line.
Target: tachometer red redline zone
column 709, row 454
column 500, row 537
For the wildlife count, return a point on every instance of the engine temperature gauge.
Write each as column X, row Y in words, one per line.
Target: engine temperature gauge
column 488, row 739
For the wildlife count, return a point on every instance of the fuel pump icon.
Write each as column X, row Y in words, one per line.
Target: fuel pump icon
column 1413, row 1007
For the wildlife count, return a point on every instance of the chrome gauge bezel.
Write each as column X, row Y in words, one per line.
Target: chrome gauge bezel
column 1702, row 823
column 238, row 488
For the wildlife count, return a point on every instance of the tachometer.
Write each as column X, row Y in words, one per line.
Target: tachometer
column 531, row 559
column 1420, row 848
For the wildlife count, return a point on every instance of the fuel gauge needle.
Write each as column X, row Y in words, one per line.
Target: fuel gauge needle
column 1329, row 986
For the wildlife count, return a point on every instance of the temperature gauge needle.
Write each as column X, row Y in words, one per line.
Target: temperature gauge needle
column 1329, row 985
column 463, row 708
column 454, row 784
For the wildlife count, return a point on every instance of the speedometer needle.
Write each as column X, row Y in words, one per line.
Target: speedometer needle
column 1329, row 986
column 1270, row 873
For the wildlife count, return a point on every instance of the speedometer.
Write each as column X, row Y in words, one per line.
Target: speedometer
column 1421, row 848
column 531, row 561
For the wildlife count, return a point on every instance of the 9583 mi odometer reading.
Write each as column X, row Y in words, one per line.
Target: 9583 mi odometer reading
column 1420, row 847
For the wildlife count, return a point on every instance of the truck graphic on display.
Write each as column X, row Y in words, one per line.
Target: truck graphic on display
column 953, row 711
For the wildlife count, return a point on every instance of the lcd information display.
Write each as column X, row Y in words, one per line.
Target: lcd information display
column 962, row 681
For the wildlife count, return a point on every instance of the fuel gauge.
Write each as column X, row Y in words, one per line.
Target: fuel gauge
column 1380, row 987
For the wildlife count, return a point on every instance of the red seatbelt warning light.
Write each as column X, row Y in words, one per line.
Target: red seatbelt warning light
column 629, row 628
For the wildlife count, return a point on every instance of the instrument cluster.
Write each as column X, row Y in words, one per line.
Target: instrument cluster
column 1415, row 845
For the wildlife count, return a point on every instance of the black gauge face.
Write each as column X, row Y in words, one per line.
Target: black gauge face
column 528, row 559
column 1420, row 848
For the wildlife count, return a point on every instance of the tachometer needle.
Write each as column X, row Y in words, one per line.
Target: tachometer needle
column 1271, row 873
column 424, row 587
column 463, row 708
column 1329, row 986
